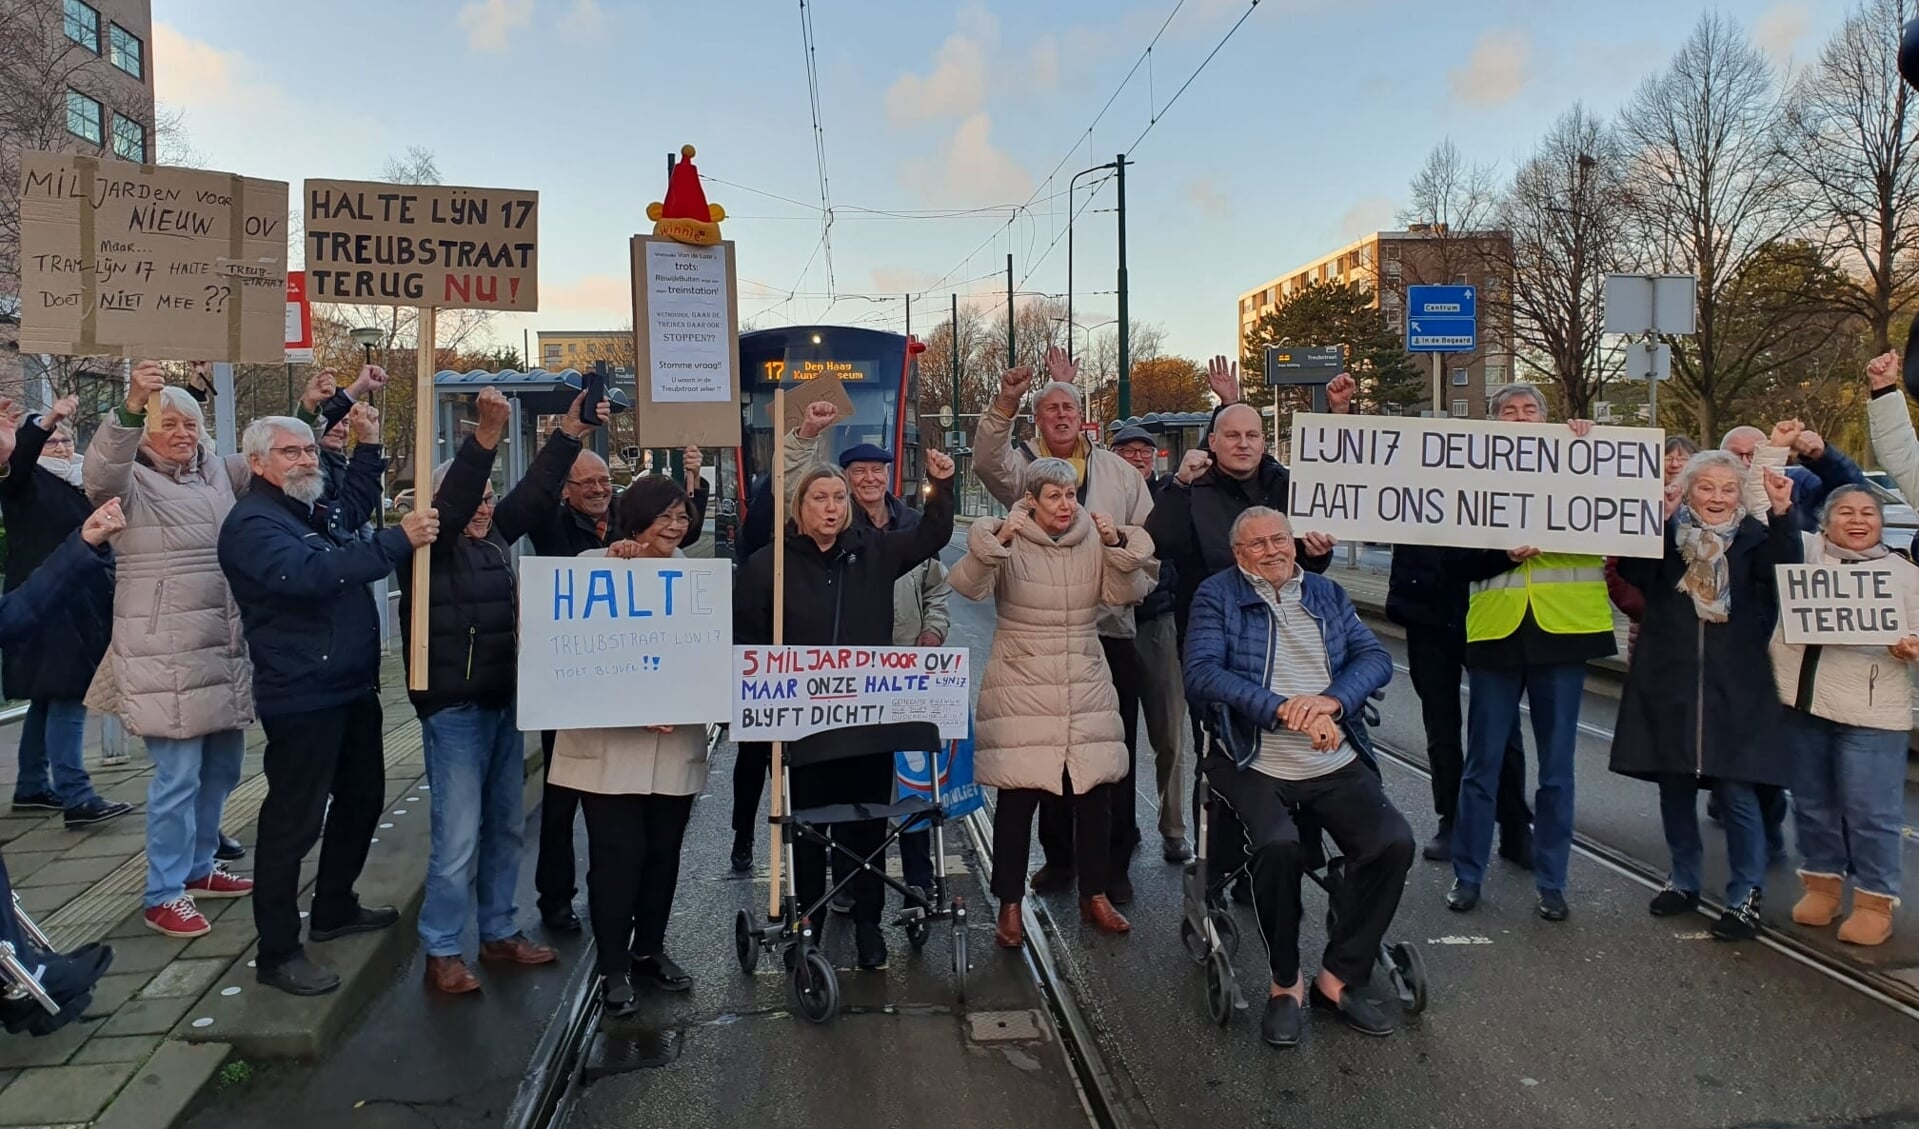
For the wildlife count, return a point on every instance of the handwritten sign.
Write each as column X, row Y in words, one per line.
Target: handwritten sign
column 146, row 261
column 786, row 693
column 688, row 323
column 422, row 245
column 608, row 643
column 1474, row 484
column 1841, row 604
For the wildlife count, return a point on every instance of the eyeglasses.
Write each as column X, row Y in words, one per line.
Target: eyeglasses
column 486, row 503
column 1263, row 544
column 590, row 483
column 296, row 454
column 58, row 441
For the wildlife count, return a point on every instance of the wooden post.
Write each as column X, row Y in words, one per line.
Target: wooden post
column 423, row 452
column 779, row 632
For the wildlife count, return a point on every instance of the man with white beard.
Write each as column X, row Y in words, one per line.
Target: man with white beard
column 314, row 635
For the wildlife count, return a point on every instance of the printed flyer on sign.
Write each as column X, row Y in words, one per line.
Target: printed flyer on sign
column 1473, row 484
column 688, row 323
column 1842, row 604
column 786, row 693
column 607, row 643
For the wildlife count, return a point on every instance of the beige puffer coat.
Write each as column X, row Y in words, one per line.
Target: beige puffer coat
column 177, row 666
column 1032, row 723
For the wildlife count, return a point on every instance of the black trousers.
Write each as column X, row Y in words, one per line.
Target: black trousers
column 1057, row 837
column 1436, row 658
column 749, row 779
column 553, row 875
column 632, row 869
column 851, row 780
column 1371, row 835
column 1087, row 813
column 310, row 757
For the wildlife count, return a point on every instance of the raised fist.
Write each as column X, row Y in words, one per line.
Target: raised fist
column 1883, row 371
column 939, row 466
column 365, row 423
column 145, row 383
column 1785, row 433
column 1014, row 385
column 63, row 408
column 1108, row 532
column 819, row 416
column 1195, row 463
column 493, row 409
column 320, row 388
column 1339, row 393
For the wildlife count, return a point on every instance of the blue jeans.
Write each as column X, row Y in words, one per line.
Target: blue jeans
column 52, row 748
column 1554, row 692
column 476, row 764
column 1849, row 798
column 192, row 778
column 1739, row 815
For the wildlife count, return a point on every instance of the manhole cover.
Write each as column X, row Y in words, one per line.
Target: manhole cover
column 1004, row 1027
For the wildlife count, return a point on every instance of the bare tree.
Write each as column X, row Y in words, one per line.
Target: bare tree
column 1850, row 139
column 1453, row 201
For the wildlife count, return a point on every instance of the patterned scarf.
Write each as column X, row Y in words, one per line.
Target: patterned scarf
column 1703, row 547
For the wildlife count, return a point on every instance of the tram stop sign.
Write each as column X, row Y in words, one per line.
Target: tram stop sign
column 1316, row 364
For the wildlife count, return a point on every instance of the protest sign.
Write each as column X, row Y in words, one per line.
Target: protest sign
column 787, row 693
column 146, row 261
column 1474, row 484
column 686, row 330
column 427, row 245
column 1842, row 604
column 299, row 320
column 607, row 643
column 960, row 794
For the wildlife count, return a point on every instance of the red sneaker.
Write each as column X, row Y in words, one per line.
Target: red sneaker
column 177, row 918
column 221, row 883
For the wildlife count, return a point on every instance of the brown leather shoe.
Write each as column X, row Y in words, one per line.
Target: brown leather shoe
column 1098, row 912
column 518, row 949
column 1011, row 932
column 451, row 975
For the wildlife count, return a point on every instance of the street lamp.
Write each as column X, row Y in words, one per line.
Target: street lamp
column 366, row 337
column 1069, row 247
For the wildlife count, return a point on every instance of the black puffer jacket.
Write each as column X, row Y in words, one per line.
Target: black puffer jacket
column 1421, row 591
column 473, row 618
column 563, row 531
column 41, row 511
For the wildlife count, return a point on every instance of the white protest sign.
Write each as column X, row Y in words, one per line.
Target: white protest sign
column 1841, row 604
column 607, row 643
column 688, row 323
column 1475, row 484
column 786, row 693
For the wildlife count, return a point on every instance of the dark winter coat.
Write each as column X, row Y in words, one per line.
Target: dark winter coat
column 42, row 510
column 1420, row 592
column 1699, row 698
column 27, row 609
column 563, row 531
column 1166, row 593
column 473, row 617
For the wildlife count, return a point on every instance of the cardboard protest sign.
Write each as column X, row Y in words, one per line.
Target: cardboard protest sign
column 787, row 693
column 1841, row 604
column 686, row 347
column 429, row 245
column 607, row 643
column 827, row 388
column 146, row 261
column 1475, row 484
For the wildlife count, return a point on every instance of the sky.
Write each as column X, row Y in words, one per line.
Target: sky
column 949, row 131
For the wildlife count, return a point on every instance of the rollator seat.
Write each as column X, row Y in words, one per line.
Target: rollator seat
column 862, row 741
column 855, row 813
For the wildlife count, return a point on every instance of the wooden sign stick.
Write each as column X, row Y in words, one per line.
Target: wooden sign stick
column 779, row 629
column 422, row 498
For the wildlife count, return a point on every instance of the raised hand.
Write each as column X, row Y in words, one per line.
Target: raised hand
column 365, row 423
column 1108, row 532
column 1339, row 393
column 372, row 378
column 1785, row 433
column 1672, row 498
column 818, row 416
column 1809, row 445
column 1883, row 371
column 1195, row 463
column 1017, row 519
column 1013, row 387
column 693, row 461
column 1906, row 650
column 1061, row 367
column 63, row 408
column 1222, row 376
column 625, row 550
column 1778, row 491
column 103, row 523
column 571, row 423
column 494, row 410
column 939, row 466
column 421, row 527
column 145, row 383
column 9, row 428
column 1319, row 544
column 320, row 388
column 1580, row 427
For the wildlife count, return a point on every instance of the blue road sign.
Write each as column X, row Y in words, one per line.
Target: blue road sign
column 1442, row 319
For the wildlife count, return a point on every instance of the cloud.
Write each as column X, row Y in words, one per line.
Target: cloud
column 1498, row 70
column 902, row 280
column 956, row 85
column 1780, row 28
column 586, row 21
column 1042, row 64
column 1203, row 193
column 970, row 169
column 196, row 73
column 601, row 294
column 1367, row 215
column 488, row 23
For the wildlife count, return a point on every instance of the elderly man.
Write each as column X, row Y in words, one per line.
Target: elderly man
column 314, row 636
column 1533, row 622
column 1107, row 485
column 1821, row 469
column 1281, row 666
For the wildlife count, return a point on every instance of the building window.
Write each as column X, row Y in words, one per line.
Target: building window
column 129, row 139
column 1461, row 409
column 1495, row 375
column 1461, row 377
column 125, row 51
column 83, row 117
column 83, row 24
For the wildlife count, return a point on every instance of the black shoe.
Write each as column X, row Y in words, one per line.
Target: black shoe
column 229, row 849
column 69, row 978
column 565, row 921
column 1440, row 847
column 39, row 801
column 1354, row 1010
column 95, row 811
column 367, row 919
column 870, row 944
column 842, row 903
column 617, row 999
column 1671, row 902
column 1463, row 897
column 1740, row 922
column 742, row 859
column 1552, row 905
column 1119, row 890
column 299, row 977
column 1243, row 890
column 1052, row 878
column 660, row 972
column 1281, row 1024
column 1517, row 848
column 1174, row 850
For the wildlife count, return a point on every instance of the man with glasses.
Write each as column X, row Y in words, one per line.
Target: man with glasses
column 314, row 636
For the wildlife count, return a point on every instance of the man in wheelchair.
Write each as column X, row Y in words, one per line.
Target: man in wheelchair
column 1281, row 667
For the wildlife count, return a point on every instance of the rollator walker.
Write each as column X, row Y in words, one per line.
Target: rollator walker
column 812, row 982
column 17, row 981
column 1211, row 934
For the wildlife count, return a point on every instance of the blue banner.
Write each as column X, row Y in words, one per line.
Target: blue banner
column 959, row 795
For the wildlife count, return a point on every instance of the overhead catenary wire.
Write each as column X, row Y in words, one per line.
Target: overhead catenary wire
column 819, row 141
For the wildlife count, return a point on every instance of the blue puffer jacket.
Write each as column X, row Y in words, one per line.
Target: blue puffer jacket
column 1229, row 660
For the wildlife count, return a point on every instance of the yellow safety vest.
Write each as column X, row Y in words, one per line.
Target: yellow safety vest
column 1566, row 591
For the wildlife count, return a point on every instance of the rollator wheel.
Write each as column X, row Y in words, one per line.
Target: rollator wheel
column 959, row 959
column 1193, row 939
column 814, row 987
column 746, row 946
column 1228, row 931
column 917, row 932
column 1219, row 988
column 1409, row 976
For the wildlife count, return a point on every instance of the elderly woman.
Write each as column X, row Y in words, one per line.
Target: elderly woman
column 1679, row 451
column 1048, row 721
column 1696, row 712
column 43, row 502
column 636, row 788
column 176, row 672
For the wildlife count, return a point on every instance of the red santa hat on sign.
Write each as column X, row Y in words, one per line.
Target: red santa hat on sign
column 685, row 216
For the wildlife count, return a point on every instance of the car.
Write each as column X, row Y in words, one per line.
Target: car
column 1902, row 521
